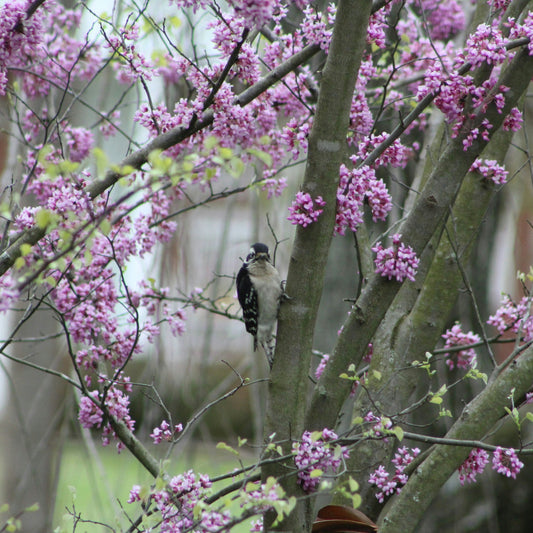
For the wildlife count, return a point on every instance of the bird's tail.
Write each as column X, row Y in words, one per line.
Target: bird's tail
column 269, row 346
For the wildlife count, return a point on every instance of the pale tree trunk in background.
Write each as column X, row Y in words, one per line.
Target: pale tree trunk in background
column 33, row 413
column 31, row 428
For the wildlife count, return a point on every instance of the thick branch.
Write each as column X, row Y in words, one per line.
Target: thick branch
column 420, row 225
column 327, row 142
column 478, row 417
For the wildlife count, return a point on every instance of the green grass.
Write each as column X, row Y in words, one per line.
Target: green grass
column 95, row 486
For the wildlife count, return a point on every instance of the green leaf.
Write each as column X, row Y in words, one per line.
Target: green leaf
column 224, row 446
column 105, row 226
column 436, row 400
column 210, row 142
column 160, row 484
column 316, row 472
column 353, row 484
column 25, row 249
column 236, row 167
column 356, row 501
column 398, row 432
column 43, row 218
column 32, row 508
column 225, row 153
column 265, row 157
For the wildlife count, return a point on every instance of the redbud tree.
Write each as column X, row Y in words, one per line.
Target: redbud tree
column 401, row 112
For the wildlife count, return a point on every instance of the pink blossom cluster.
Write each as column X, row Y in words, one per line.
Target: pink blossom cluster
column 178, row 502
column 388, row 484
column 379, row 425
column 305, row 210
column 258, row 497
column 255, row 13
column 9, row 292
column 444, row 19
column 523, row 29
column 274, row 187
column 487, row 45
column 490, row 170
column 165, row 432
column 316, row 452
column 130, row 64
column 116, row 404
column 475, row 463
column 464, row 358
column 504, row 461
column 513, row 317
column 295, row 137
column 396, row 155
column 356, row 187
column 43, row 48
column 315, row 28
column 399, row 261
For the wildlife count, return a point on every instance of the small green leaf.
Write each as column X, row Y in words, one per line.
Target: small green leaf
column 236, row 167
column 225, row 153
column 356, row 501
column 265, row 157
column 105, row 226
column 32, row 508
column 25, row 249
column 316, row 472
column 436, row 400
column 224, row 446
column 43, row 218
column 210, row 142
column 398, row 432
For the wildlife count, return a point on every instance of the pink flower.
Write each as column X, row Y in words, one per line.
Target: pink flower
column 455, row 337
column 315, row 452
column 388, row 484
column 514, row 317
column 8, row 291
column 274, row 187
column 474, row 465
column 303, row 210
column 321, row 366
column 90, row 414
column 356, row 186
column 398, row 261
column 506, row 462
column 491, row 170
column 135, row 494
column 164, row 432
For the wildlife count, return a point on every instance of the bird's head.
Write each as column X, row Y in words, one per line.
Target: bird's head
column 258, row 252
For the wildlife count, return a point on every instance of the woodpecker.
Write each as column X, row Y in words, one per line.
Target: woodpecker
column 259, row 288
